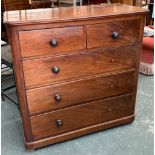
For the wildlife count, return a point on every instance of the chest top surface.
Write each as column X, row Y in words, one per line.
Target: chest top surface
column 61, row 14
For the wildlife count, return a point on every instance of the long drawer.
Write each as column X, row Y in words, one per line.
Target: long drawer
column 113, row 33
column 49, row 70
column 71, row 93
column 81, row 116
column 51, row 41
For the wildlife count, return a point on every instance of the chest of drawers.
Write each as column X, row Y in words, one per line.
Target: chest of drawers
column 76, row 69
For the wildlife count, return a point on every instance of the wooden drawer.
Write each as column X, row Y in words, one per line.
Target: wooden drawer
column 68, row 94
column 81, row 116
column 99, row 35
column 51, row 70
column 39, row 42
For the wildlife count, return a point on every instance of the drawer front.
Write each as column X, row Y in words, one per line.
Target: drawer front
column 51, row 41
column 115, row 33
column 81, row 116
column 52, row 70
column 67, row 94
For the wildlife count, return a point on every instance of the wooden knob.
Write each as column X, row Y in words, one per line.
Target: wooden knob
column 109, row 110
column 59, row 123
column 115, row 35
column 54, row 43
column 57, row 98
column 111, row 85
column 55, row 70
column 112, row 60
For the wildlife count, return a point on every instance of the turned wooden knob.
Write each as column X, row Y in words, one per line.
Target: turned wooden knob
column 57, row 98
column 55, row 70
column 59, row 123
column 54, row 43
column 115, row 35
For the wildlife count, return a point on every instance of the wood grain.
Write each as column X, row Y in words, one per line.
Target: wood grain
column 81, row 116
column 79, row 132
column 20, row 85
column 78, row 65
column 43, row 99
column 143, row 18
column 37, row 42
column 99, row 35
column 42, row 16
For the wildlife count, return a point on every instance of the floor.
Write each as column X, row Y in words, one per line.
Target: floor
column 132, row 139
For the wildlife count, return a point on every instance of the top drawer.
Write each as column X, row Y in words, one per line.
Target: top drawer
column 113, row 33
column 51, row 41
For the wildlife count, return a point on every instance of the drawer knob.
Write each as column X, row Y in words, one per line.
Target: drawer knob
column 55, row 70
column 59, row 123
column 57, row 98
column 109, row 110
column 112, row 86
column 54, row 43
column 112, row 60
column 115, row 35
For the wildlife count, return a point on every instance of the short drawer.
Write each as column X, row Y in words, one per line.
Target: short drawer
column 113, row 33
column 51, row 41
column 71, row 93
column 57, row 69
column 74, row 118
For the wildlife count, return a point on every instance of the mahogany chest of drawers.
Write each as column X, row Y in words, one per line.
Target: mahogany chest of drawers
column 76, row 69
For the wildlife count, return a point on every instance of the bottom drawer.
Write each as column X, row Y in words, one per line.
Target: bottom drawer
column 77, row 117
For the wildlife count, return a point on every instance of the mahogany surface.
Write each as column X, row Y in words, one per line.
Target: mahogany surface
column 76, row 69
column 99, row 35
column 39, row 16
column 72, row 39
column 80, row 116
column 43, row 99
column 78, row 65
